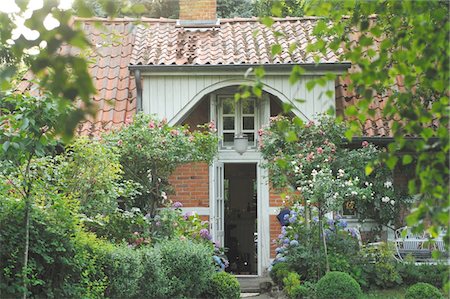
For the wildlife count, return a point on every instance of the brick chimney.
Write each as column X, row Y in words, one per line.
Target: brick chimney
column 196, row 10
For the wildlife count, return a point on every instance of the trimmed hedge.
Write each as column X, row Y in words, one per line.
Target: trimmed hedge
column 223, row 285
column 337, row 285
column 423, row 290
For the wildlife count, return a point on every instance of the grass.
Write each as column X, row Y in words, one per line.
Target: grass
column 398, row 293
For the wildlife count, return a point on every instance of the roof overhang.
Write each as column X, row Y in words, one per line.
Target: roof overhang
column 281, row 68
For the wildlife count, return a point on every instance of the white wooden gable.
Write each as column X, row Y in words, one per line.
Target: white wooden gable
column 174, row 94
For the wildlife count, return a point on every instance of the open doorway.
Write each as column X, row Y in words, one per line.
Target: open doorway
column 240, row 217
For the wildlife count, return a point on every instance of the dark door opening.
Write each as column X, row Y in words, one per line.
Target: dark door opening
column 240, row 217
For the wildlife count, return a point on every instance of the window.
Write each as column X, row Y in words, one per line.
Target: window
column 236, row 118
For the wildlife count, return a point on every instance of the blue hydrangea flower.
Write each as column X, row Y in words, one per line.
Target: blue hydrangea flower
column 286, row 241
column 315, row 219
column 342, row 223
column 294, row 243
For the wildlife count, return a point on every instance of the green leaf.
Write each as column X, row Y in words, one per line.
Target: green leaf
column 310, row 84
column 407, row 159
column 5, row 146
column 368, row 169
column 391, row 162
column 276, row 49
column 268, row 21
column 277, row 9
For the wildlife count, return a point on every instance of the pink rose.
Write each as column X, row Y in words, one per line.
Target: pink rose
column 365, row 144
column 119, row 143
column 319, row 150
column 151, row 124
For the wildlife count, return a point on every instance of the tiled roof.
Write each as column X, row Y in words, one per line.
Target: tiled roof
column 235, row 41
column 118, row 43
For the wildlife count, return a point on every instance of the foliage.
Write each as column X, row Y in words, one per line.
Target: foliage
column 64, row 261
column 223, row 285
column 380, row 266
column 300, row 244
column 337, row 285
column 124, row 270
column 27, row 131
column 150, row 150
column 406, row 42
column 278, row 272
column 312, row 159
column 280, row 8
column 187, row 265
column 292, row 286
column 235, row 8
column 423, row 290
column 170, row 222
column 92, row 172
column 436, row 275
column 154, row 272
column 121, row 226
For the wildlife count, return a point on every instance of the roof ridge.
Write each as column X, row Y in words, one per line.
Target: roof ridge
column 167, row 20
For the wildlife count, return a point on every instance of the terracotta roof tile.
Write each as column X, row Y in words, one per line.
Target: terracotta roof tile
column 236, row 41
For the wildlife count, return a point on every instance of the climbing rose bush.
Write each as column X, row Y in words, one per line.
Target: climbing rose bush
column 313, row 160
column 150, row 150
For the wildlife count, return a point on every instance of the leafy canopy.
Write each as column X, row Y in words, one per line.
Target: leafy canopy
column 399, row 50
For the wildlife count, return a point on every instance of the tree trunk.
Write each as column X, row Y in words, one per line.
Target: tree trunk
column 327, row 263
column 27, row 245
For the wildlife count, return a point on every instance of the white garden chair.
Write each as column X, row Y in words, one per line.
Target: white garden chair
column 418, row 245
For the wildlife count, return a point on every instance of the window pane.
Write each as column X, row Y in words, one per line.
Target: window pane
column 251, row 137
column 249, row 122
column 228, row 106
column 228, row 122
column 228, row 138
column 248, row 106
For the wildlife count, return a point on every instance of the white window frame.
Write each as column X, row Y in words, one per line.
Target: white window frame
column 238, row 121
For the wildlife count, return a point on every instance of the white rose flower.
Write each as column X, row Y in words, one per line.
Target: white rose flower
column 392, row 202
column 388, row 184
column 385, row 199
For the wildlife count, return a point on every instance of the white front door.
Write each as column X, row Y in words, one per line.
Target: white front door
column 218, row 207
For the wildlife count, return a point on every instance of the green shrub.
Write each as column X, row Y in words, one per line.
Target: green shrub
column 436, row 275
column 124, row 271
column 224, row 286
column 64, row 261
column 188, row 267
column 423, row 290
column 293, row 288
column 380, row 266
column 154, row 282
column 279, row 272
column 91, row 171
column 337, row 285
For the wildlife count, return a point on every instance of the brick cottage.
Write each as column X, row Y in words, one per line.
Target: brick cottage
column 187, row 71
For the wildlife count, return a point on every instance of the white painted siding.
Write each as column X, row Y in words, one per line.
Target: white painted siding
column 174, row 95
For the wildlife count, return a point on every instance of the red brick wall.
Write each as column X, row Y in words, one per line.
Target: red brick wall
column 191, row 185
column 198, row 9
column 275, row 230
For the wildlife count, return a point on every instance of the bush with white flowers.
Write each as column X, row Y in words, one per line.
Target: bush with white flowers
column 314, row 159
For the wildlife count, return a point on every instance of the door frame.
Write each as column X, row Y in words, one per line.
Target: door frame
column 262, row 213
